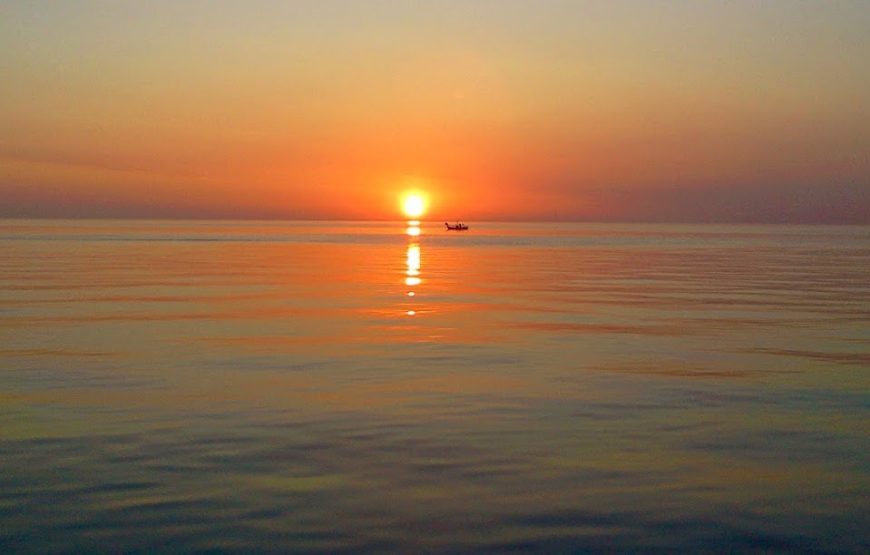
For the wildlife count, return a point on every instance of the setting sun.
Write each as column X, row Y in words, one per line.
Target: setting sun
column 414, row 205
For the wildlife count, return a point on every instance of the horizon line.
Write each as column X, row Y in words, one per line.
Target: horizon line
column 438, row 221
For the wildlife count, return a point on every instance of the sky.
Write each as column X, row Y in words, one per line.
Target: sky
column 752, row 111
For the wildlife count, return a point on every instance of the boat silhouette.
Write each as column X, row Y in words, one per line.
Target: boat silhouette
column 458, row 226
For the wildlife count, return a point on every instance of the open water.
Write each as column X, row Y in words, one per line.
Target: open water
column 273, row 386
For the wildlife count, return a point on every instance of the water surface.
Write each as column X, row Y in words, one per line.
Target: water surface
column 274, row 386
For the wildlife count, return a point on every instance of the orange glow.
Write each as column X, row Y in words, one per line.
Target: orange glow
column 414, row 205
column 413, row 231
column 412, row 281
column 509, row 131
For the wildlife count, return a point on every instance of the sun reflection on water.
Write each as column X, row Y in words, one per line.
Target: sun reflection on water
column 412, row 261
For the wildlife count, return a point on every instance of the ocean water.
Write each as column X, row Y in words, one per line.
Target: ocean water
column 273, row 386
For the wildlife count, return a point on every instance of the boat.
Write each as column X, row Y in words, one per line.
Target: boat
column 458, row 226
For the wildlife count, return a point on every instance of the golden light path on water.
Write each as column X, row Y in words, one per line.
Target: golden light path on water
column 412, row 260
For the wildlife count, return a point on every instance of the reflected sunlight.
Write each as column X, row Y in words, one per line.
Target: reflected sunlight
column 413, row 259
column 412, row 262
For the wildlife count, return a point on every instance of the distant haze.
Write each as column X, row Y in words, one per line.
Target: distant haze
column 575, row 110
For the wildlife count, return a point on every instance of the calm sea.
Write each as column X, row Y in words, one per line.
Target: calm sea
column 343, row 387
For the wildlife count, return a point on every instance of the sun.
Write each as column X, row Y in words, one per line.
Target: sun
column 414, row 205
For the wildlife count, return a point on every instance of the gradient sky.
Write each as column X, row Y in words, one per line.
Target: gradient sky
column 604, row 111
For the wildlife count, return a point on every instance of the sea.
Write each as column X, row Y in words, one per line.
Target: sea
column 386, row 387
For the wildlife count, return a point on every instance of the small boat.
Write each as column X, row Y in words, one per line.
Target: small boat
column 456, row 227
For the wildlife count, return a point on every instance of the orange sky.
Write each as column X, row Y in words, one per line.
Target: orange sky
column 678, row 111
